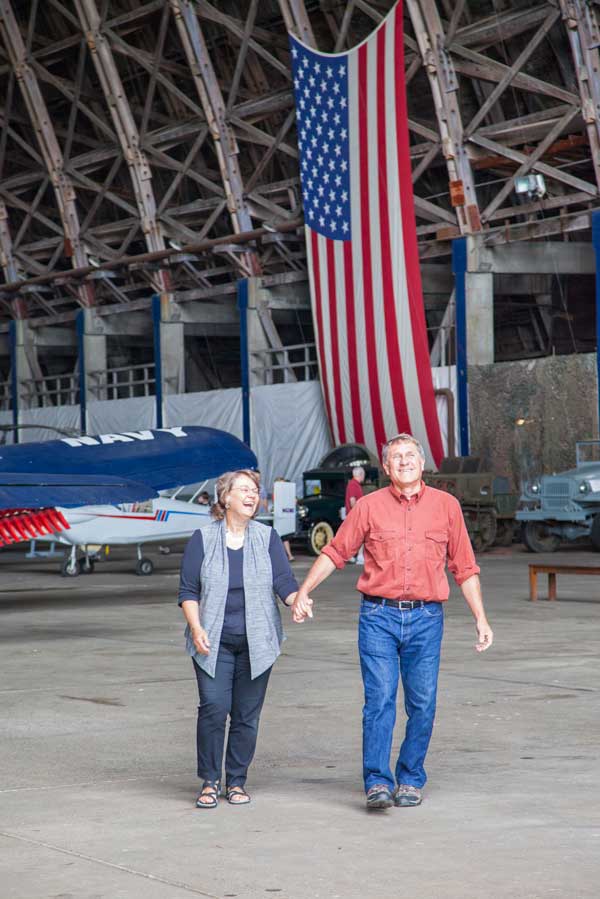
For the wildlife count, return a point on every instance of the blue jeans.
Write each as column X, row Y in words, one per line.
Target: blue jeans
column 392, row 642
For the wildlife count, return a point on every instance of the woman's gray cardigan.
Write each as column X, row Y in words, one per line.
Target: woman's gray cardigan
column 264, row 630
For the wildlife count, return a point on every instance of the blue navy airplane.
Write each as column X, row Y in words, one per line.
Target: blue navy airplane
column 93, row 491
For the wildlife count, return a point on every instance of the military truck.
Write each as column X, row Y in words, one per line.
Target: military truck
column 563, row 506
column 486, row 500
column 324, row 493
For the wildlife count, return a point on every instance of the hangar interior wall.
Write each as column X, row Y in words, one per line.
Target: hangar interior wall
column 526, row 416
column 289, row 430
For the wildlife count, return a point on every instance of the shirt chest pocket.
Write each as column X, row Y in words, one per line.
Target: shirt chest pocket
column 435, row 545
column 382, row 545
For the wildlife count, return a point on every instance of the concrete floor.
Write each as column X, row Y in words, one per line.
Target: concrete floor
column 97, row 774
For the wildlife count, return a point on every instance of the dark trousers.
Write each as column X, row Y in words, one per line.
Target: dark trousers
column 231, row 692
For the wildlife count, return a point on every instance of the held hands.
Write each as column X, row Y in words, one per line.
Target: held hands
column 301, row 607
column 201, row 641
column 485, row 635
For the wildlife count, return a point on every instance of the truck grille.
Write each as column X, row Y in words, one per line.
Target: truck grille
column 556, row 488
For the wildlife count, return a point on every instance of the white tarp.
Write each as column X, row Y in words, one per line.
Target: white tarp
column 289, row 429
column 115, row 416
column 65, row 417
column 211, row 408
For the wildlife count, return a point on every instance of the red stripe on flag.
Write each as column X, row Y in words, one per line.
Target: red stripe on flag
column 411, row 256
column 365, row 238
column 359, row 434
column 314, row 239
column 389, row 300
column 335, row 352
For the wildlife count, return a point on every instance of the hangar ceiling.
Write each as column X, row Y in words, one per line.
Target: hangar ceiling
column 130, row 129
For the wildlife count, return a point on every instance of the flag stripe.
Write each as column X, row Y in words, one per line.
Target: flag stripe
column 313, row 265
column 357, row 423
column 411, row 257
column 333, row 330
column 390, row 297
column 365, row 238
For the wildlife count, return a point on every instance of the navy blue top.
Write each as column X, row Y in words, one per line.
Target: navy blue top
column 234, row 622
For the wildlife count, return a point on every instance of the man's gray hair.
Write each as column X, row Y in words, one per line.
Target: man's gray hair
column 401, row 438
column 358, row 469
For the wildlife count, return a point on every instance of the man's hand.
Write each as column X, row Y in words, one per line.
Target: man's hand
column 302, row 607
column 201, row 641
column 485, row 635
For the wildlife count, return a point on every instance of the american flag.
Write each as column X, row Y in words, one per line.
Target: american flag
column 361, row 241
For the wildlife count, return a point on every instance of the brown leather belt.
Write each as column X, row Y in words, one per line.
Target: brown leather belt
column 395, row 603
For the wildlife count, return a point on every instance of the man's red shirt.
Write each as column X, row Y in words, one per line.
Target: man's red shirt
column 407, row 543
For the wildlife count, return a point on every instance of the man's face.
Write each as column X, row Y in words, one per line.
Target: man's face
column 404, row 465
column 359, row 476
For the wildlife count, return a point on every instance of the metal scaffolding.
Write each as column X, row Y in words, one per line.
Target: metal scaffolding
column 132, row 127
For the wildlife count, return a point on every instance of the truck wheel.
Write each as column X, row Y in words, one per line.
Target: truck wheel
column 538, row 539
column 321, row 533
column 595, row 534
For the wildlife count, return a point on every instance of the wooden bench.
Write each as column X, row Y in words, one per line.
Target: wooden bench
column 552, row 571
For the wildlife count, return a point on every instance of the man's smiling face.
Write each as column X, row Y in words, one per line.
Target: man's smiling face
column 404, row 465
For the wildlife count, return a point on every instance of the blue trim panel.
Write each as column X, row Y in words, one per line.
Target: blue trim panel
column 156, row 319
column 596, row 245
column 81, row 366
column 14, row 380
column 459, row 267
column 242, row 300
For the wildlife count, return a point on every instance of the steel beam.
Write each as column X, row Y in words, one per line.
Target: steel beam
column 46, row 138
column 127, row 131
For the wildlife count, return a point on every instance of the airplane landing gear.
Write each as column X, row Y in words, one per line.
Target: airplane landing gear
column 144, row 566
column 70, row 566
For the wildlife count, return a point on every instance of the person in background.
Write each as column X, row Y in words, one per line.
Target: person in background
column 409, row 531
column 203, row 499
column 263, row 496
column 231, row 570
column 354, row 492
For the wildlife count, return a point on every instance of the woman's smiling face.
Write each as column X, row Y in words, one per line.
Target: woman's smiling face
column 243, row 497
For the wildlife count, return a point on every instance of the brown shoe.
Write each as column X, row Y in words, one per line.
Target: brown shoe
column 406, row 794
column 379, row 797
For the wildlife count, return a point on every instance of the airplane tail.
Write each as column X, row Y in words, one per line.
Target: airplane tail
column 19, row 525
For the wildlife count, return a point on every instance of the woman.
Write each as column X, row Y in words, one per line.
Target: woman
column 231, row 569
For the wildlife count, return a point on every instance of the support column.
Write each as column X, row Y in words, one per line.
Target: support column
column 23, row 358
column 169, row 352
column 596, row 243
column 257, row 338
column 91, row 342
column 242, row 298
column 459, row 268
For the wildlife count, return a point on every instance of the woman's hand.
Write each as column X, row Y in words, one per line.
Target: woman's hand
column 201, row 641
column 302, row 607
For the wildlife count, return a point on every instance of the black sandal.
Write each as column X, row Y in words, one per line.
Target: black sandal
column 210, row 790
column 237, row 791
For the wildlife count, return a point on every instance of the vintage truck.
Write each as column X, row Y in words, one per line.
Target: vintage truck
column 324, row 490
column 564, row 506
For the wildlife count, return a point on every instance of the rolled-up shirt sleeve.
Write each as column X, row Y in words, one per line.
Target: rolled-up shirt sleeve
column 284, row 581
column 191, row 564
column 461, row 558
column 350, row 536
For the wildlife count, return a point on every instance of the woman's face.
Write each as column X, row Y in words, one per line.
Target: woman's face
column 243, row 497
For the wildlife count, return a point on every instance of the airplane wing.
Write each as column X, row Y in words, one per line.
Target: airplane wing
column 159, row 458
column 35, row 478
column 19, row 490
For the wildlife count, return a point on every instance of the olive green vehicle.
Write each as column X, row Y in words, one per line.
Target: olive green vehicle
column 324, row 490
column 487, row 503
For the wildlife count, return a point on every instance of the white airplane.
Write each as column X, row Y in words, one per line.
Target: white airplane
column 46, row 489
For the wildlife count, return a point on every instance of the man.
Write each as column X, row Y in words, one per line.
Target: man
column 409, row 530
column 354, row 492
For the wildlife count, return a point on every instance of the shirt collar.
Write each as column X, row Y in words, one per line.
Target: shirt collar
column 413, row 499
